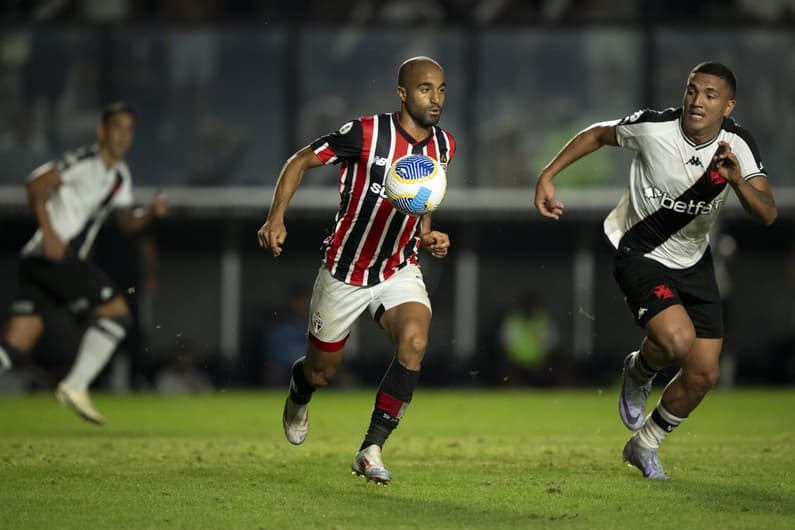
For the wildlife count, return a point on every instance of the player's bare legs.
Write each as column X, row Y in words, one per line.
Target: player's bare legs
column 699, row 374
column 407, row 326
column 671, row 338
column 108, row 328
column 20, row 336
column 315, row 369
column 320, row 366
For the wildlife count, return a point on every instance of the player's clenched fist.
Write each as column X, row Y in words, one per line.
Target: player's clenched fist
column 271, row 237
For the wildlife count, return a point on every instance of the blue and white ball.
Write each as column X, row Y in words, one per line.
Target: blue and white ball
column 416, row 184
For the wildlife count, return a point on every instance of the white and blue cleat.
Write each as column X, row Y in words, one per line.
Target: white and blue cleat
column 367, row 463
column 633, row 398
column 645, row 459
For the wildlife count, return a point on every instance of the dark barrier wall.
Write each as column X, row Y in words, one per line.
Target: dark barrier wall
column 203, row 285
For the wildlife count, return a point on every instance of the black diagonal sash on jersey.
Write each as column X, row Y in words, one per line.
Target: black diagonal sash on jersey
column 655, row 229
column 375, row 174
column 76, row 242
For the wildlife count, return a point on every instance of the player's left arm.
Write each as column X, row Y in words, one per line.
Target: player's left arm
column 133, row 220
column 435, row 242
column 754, row 193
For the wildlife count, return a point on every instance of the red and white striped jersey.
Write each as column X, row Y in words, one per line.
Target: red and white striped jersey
column 370, row 239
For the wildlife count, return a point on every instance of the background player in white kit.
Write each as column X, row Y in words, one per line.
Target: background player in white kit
column 685, row 161
column 70, row 199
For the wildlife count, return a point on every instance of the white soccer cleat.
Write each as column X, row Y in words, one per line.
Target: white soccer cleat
column 295, row 420
column 367, row 463
column 79, row 402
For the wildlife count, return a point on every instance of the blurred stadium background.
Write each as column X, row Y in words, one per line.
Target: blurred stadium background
column 225, row 91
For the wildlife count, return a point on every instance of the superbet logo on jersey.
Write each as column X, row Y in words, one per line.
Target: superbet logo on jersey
column 690, row 207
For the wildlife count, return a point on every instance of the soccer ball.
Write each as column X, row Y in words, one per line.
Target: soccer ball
column 416, row 184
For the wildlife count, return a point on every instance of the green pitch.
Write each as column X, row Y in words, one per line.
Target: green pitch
column 468, row 459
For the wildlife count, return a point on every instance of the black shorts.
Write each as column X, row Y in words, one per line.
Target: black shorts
column 75, row 284
column 649, row 287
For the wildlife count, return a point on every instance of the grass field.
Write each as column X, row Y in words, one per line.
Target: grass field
column 469, row 459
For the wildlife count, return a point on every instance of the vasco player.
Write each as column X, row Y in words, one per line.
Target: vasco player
column 370, row 261
column 70, row 199
column 686, row 160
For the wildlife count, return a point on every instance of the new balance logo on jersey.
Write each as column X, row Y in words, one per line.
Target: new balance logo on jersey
column 694, row 161
column 380, row 161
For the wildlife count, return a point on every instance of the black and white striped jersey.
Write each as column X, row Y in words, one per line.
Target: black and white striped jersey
column 89, row 191
column 371, row 240
column 674, row 197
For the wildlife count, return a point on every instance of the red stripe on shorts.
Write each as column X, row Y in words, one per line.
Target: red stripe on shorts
column 328, row 346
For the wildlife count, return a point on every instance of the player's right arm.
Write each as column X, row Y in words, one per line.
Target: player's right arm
column 40, row 183
column 273, row 233
column 585, row 142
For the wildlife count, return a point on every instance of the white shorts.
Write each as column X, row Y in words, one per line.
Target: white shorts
column 336, row 305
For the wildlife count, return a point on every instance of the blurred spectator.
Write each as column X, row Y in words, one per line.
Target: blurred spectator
column 770, row 11
column 182, row 374
column 528, row 338
column 284, row 340
column 44, row 81
column 103, row 11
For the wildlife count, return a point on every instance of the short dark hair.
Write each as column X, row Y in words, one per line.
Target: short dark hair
column 718, row 70
column 117, row 107
column 408, row 64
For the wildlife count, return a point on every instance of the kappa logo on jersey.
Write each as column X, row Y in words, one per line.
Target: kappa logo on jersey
column 690, row 207
column 694, row 161
column 715, row 177
column 317, row 322
column 663, row 292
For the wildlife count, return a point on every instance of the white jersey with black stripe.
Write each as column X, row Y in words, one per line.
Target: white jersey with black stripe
column 89, row 191
column 674, row 197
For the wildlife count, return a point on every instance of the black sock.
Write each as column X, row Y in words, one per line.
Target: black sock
column 393, row 396
column 300, row 389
